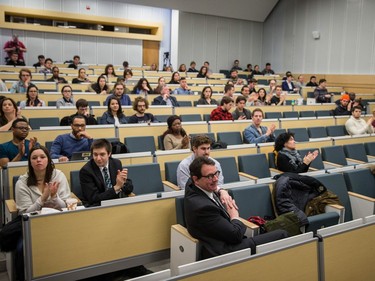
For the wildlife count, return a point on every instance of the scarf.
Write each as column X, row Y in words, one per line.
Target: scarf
column 294, row 157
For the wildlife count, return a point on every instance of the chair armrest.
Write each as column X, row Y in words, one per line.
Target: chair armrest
column 337, row 209
column 183, row 231
column 168, row 186
column 351, row 160
column 362, row 206
column 274, row 172
column 244, row 176
column 331, row 165
column 251, row 228
column 10, row 210
column 371, row 158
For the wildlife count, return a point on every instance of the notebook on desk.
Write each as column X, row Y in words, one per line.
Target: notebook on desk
column 81, row 155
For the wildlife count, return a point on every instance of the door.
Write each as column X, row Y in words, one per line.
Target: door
column 151, row 52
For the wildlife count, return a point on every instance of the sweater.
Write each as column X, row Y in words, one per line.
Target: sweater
column 66, row 144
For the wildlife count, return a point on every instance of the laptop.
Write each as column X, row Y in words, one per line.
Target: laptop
column 81, row 155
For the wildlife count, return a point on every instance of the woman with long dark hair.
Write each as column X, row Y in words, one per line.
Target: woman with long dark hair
column 100, row 87
column 175, row 137
column 114, row 114
column 43, row 185
column 206, row 96
column 175, row 79
column 32, row 98
column 287, row 158
column 8, row 113
column 142, row 87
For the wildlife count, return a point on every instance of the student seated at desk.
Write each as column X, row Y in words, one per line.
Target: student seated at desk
column 103, row 178
column 100, row 87
column 32, row 98
column 8, row 113
column 82, row 106
column 82, row 78
column 140, row 105
column 114, row 114
column 206, row 96
column 175, row 137
column 67, row 97
column 287, row 157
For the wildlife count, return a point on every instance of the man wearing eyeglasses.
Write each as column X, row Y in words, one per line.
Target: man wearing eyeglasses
column 18, row 148
column 78, row 140
column 216, row 224
column 24, row 82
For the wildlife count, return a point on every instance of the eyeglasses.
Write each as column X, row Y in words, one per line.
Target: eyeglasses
column 211, row 176
column 67, row 91
column 23, row 128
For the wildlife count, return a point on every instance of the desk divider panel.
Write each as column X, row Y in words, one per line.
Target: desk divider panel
column 355, row 139
column 48, row 112
column 97, row 237
column 304, row 123
column 284, row 265
column 349, row 255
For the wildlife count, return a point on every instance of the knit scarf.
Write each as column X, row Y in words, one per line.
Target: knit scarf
column 293, row 155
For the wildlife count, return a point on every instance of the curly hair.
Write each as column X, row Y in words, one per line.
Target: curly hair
column 281, row 140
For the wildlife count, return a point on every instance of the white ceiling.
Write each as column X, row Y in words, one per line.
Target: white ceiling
column 254, row 10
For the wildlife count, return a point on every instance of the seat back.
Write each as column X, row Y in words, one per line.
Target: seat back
column 140, row 144
column 318, row 162
column 146, row 178
column 51, row 103
column 180, row 216
column 229, row 168
column 336, row 131
column 254, row 164
column 361, row 181
column 191, row 117
column 307, row 113
column 161, row 143
column 185, row 103
column 334, row 154
column 48, row 145
column 37, row 122
column 356, row 151
column 317, row 132
column 321, row 113
column 206, row 117
column 230, row 138
column 290, row 114
column 336, row 183
column 370, row 148
column 300, row 134
column 277, row 132
column 253, row 200
column 75, row 184
column 210, row 135
column 162, row 117
column 271, row 160
column 273, row 115
column 171, row 171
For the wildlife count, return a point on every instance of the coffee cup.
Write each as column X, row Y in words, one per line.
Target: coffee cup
column 71, row 204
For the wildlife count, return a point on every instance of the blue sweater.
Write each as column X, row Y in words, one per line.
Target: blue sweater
column 65, row 145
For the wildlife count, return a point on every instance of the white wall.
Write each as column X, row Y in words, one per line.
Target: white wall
column 218, row 40
column 347, row 36
column 91, row 49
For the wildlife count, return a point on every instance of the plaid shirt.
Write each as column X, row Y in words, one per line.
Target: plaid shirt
column 220, row 114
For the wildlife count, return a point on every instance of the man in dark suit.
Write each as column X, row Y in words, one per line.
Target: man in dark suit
column 103, row 178
column 216, row 225
column 165, row 97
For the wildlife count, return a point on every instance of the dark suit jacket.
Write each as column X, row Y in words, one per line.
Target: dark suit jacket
column 93, row 186
column 207, row 222
column 160, row 101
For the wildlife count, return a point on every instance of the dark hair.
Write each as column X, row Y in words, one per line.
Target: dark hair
column 78, row 117
column 48, row 59
column 182, row 79
column 138, row 100
column 31, row 179
column 195, row 167
column 37, row 101
column 268, row 64
column 228, row 87
column 313, row 76
column 179, row 69
column 81, row 103
column 40, row 57
column 96, row 86
column 66, row 86
column 243, row 87
column 262, row 99
column 106, row 70
column 119, row 83
column 199, row 140
column 128, row 70
column 225, row 100
column 240, row 98
column 192, row 62
column 55, row 67
column 101, row 143
column 125, row 64
column 2, row 116
column 170, row 121
column 322, row 81
column 139, row 85
column 15, row 122
column 119, row 111
column 76, row 57
column 172, row 81
column 281, row 140
column 204, row 89
column 200, row 73
column 257, row 110
column 356, row 107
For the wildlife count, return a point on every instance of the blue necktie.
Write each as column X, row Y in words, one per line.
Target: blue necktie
column 107, row 179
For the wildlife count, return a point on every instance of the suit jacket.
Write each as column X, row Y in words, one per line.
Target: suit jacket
column 207, row 222
column 93, row 187
column 160, row 101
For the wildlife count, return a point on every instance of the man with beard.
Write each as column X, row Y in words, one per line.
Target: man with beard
column 79, row 139
column 18, row 148
column 140, row 105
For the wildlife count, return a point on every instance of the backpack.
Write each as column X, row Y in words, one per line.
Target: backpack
column 118, row 147
column 218, row 145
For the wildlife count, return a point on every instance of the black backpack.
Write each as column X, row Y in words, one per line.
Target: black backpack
column 118, row 147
